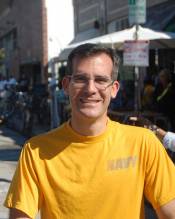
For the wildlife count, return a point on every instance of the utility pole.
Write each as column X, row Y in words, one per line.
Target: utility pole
column 137, row 102
column 137, row 15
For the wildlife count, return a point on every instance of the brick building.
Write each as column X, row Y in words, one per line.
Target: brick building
column 23, row 39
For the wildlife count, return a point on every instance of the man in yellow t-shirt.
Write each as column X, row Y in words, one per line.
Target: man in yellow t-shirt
column 92, row 167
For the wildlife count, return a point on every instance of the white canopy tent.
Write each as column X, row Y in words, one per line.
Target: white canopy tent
column 157, row 39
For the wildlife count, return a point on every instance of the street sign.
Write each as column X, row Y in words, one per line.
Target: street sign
column 137, row 11
column 136, row 53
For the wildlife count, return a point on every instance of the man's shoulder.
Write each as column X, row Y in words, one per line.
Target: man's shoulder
column 125, row 131
column 51, row 137
column 46, row 145
column 129, row 128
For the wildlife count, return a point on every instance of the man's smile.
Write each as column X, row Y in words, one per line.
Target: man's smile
column 89, row 101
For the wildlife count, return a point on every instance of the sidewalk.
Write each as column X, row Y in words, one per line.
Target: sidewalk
column 10, row 147
column 7, row 170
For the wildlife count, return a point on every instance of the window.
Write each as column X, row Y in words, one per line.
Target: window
column 122, row 24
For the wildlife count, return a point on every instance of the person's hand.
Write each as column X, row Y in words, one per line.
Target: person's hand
column 146, row 123
column 140, row 121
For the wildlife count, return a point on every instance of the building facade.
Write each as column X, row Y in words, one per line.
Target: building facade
column 94, row 18
column 23, row 39
column 97, row 17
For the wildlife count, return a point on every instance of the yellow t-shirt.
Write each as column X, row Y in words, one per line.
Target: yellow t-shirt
column 69, row 176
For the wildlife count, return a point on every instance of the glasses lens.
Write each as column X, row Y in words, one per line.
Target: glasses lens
column 100, row 82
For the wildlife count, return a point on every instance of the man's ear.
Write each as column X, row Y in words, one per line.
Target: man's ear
column 65, row 84
column 115, row 89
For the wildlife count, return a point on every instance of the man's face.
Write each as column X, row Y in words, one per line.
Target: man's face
column 90, row 89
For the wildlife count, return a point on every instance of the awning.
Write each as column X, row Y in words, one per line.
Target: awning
column 115, row 40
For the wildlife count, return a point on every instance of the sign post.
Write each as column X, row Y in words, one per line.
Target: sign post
column 137, row 15
column 137, row 11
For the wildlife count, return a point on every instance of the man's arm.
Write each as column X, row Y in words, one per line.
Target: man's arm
column 167, row 211
column 17, row 214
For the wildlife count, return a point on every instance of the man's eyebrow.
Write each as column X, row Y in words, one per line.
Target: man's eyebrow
column 101, row 76
column 80, row 73
column 97, row 75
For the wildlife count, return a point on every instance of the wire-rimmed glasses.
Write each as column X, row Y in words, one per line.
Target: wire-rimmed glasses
column 100, row 82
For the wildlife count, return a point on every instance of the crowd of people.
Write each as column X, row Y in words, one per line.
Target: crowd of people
column 7, row 82
column 157, row 95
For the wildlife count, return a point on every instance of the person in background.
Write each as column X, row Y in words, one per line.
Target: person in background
column 166, row 137
column 3, row 85
column 92, row 167
column 147, row 95
column 23, row 83
column 164, row 95
column 12, row 82
column 63, row 104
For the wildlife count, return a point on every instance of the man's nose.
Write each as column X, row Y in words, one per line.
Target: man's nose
column 90, row 85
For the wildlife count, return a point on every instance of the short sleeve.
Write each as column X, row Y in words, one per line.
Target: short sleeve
column 160, row 174
column 24, row 193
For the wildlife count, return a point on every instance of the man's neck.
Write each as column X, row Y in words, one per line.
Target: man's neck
column 89, row 127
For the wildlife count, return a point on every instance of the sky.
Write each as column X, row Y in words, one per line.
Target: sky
column 60, row 25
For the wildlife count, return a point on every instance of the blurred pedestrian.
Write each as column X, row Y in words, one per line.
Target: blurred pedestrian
column 12, row 82
column 147, row 95
column 23, row 83
column 168, row 138
column 3, row 85
column 165, row 96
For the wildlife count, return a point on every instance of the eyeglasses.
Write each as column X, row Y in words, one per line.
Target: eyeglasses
column 100, row 82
